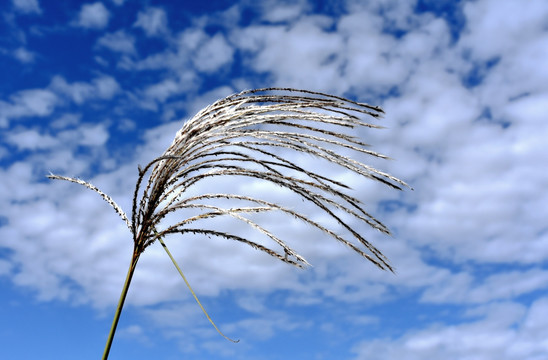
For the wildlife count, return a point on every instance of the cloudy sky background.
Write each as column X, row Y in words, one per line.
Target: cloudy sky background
column 92, row 89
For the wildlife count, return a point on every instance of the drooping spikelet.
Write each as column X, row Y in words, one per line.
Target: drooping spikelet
column 240, row 136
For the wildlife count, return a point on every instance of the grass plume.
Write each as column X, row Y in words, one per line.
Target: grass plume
column 238, row 136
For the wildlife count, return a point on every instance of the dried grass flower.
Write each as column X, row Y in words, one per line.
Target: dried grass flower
column 240, row 136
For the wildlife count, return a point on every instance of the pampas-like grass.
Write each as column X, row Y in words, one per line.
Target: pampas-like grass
column 238, row 136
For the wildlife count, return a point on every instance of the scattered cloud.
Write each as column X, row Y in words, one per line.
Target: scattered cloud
column 463, row 288
column 31, row 140
column 213, row 54
column 162, row 90
column 153, row 21
column 93, row 16
column 25, row 103
column 24, row 55
column 42, row 102
column 502, row 330
column 119, row 41
column 275, row 12
column 466, row 123
column 104, row 87
column 27, row 6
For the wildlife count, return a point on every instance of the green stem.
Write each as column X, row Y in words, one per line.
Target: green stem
column 129, row 276
column 192, row 291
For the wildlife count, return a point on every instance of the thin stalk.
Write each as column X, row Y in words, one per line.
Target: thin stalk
column 131, row 270
column 192, row 291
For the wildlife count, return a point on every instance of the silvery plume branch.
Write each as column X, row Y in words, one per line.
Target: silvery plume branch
column 242, row 135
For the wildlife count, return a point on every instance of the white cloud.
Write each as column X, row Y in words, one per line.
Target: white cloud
column 27, row 6
column 506, row 331
column 34, row 102
column 475, row 166
column 153, row 21
column 279, row 12
column 159, row 92
column 396, row 15
column 93, row 16
column 193, row 47
column 65, row 120
column 42, row 102
column 175, row 58
column 23, row 55
column 162, row 90
column 104, row 87
column 213, row 54
column 85, row 135
column 78, row 91
column 95, row 135
column 487, row 39
column 65, row 252
column 31, row 140
column 118, row 41
column 25, row 103
column 461, row 288
column 65, row 259
column 513, row 51
column 357, row 56
column 282, row 51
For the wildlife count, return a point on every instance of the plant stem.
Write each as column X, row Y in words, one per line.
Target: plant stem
column 129, row 276
column 192, row 291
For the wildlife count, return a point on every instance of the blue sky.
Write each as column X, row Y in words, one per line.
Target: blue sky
column 92, row 89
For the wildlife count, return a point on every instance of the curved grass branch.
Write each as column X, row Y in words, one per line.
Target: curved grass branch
column 105, row 197
column 243, row 136
column 192, row 291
